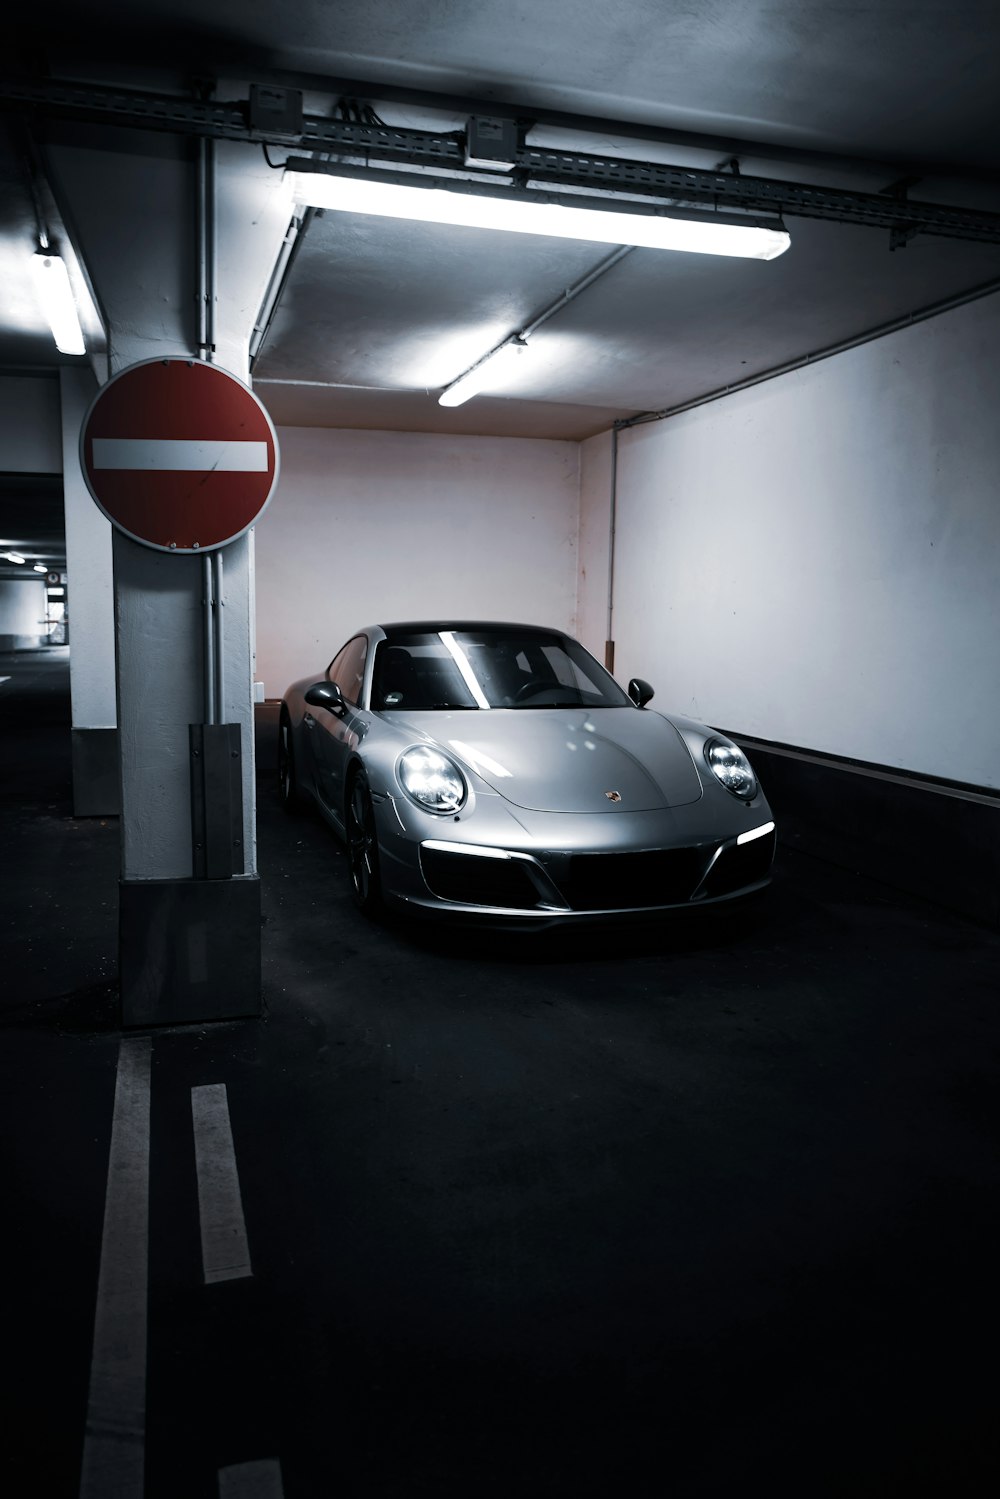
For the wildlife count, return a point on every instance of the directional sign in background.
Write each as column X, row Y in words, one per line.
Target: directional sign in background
column 179, row 454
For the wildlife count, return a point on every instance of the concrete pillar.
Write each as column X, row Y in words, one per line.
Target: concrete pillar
column 22, row 610
column 189, row 949
column 91, row 592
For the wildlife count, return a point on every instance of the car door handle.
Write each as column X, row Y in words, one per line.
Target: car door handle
column 308, row 719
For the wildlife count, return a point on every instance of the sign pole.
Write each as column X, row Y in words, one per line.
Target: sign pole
column 182, row 458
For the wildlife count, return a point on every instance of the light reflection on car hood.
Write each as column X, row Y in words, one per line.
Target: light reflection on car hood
column 568, row 759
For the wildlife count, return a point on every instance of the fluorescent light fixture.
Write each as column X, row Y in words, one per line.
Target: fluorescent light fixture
column 613, row 221
column 40, row 567
column 761, row 832
column 489, row 371
column 14, row 557
column 56, row 297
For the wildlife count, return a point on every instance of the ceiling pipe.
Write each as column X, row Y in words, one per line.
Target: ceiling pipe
column 990, row 288
column 609, row 642
column 523, row 334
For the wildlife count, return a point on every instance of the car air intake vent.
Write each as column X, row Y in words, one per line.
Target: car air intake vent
column 741, row 865
column 619, row 882
column 478, row 882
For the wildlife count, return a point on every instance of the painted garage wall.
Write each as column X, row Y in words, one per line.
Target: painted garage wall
column 30, row 424
column 367, row 526
column 816, row 560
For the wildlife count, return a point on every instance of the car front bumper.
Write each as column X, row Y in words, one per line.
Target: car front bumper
column 542, row 869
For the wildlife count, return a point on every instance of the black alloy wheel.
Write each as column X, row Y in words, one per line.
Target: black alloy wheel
column 362, row 847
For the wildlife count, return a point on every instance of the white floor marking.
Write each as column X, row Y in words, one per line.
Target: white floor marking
column 260, row 1480
column 6, row 679
column 225, row 1253
column 114, row 1439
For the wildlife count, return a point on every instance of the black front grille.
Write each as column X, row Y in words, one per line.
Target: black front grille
column 741, row 865
column 598, row 882
column 619, row 882
column 475, row 881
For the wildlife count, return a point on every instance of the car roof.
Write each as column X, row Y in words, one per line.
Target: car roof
column 430, row 627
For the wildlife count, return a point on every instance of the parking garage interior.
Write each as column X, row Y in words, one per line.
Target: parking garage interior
column 307, row 1203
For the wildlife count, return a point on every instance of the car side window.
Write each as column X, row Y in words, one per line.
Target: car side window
column 347, row 668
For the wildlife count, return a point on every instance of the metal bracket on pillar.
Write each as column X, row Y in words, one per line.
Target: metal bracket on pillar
column 216, row 800
column 901, row 234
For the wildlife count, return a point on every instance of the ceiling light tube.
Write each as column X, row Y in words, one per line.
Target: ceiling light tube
column 56, row 297
column 477, row 205
column 40, row 567
column 489, row 371
column 14, row 557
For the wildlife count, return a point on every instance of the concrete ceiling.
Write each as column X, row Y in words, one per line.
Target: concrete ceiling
column 376, row 316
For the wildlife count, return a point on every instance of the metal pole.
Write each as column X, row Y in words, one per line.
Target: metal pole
column 211, row 252
column 220, row 679
column 208, row 605
column 199, row 203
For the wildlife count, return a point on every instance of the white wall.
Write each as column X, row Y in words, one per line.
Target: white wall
column 816, row 560
column 373, row 526
column 23, row 606
column 30, row 430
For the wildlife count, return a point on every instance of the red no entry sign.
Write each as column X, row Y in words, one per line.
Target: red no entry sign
column 179, row 454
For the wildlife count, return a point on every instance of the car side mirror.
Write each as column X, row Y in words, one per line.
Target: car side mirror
column 640, row 692
column 325, row 695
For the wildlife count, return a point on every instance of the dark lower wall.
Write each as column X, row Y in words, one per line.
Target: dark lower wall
column 22, row 642
column 96, row 785
column 265, row 731
column 932, row 839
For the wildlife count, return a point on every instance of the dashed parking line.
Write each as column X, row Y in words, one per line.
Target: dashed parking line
column 259, row 1480
column 115, row 1433
column 225, row 1253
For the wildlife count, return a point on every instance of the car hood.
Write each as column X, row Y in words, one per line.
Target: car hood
column 568, row 760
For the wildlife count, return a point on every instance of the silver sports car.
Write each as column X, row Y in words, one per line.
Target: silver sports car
column 496, row 771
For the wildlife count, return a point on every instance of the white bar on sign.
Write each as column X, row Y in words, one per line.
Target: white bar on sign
column 177, row 453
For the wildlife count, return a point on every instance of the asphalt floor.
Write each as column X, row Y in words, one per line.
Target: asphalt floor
column 692, row 1209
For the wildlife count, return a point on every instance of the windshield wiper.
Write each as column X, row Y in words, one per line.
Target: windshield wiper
column 527, row 707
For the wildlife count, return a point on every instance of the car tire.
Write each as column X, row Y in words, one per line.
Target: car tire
column 363, row 863
column 288, row 785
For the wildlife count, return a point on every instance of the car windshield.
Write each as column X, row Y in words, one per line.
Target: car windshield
column 489, row 669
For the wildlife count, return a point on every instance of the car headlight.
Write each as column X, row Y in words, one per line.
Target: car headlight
column 431, row 780
column 730, row 765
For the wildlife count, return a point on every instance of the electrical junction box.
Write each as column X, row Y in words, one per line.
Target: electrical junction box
column 275, row 111
column 490, row 142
